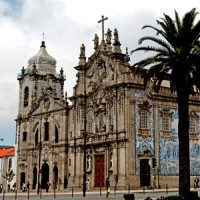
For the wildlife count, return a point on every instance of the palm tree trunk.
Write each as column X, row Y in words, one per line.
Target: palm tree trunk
column 183, row 134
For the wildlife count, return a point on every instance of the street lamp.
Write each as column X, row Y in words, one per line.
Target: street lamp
column 85, row 136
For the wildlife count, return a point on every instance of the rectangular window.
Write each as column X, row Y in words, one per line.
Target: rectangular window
column 70, row 162
column 192, row 127
column 165, row 122
column 24, row 136
column 143, row 119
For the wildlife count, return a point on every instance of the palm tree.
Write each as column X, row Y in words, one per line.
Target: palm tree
column 177, row 56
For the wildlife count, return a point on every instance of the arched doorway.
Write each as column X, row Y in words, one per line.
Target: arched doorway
column 34, row 177
column 45, row 175
column 55, row 176
column 145, row 176
column 23, row 179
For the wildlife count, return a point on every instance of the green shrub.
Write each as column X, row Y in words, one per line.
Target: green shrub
column 129, row 196
column 175, row 197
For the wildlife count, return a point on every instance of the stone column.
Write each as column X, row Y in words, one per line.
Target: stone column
column 122, row 165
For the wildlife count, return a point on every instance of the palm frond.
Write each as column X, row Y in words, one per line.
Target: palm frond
column 178, row 22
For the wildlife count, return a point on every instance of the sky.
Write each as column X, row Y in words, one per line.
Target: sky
column 67, row 24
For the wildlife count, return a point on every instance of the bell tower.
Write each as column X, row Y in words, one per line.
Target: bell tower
column 40, row 75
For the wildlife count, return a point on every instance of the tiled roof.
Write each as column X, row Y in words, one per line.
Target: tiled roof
column 7, row 152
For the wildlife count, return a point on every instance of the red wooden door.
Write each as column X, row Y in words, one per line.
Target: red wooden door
column 99, row 171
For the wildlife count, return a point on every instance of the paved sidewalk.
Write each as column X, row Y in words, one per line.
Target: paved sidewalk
column 91, row 195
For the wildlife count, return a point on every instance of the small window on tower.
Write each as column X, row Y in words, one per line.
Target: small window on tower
column 56, row 135
column 26, row 94
column 46, row 126
column 36, row 138
column 24, row 136
column 10, row 163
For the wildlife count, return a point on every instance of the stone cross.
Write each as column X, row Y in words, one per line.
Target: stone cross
column 102, row 20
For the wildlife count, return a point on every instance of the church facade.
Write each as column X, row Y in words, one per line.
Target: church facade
column 126, row 125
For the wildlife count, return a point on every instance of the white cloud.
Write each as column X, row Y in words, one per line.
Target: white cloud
column 67, row 24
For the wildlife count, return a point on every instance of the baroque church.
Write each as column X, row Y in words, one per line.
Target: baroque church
column 110, row 127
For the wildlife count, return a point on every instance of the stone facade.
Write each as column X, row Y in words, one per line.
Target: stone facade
column 126, row 125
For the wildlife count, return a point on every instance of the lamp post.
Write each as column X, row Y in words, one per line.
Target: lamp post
column 154, row 159
column 40, row 150
column 85, row 136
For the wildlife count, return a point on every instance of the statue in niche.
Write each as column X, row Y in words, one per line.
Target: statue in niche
column 89, row 162
column 109, row 35
column 96, row 41
column 101, row 121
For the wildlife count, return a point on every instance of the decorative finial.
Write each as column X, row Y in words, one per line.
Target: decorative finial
column 82, row 58
column 43, row 44
column 82, row 51
column 61, row 71
column 96, row 41
column 23, row 70
column 127, row 58
column 116, row 43
column 65, row 96
column 34, row 68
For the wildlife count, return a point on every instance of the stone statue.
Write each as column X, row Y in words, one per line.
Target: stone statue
column 116, row 38
column 82, row 51
column 88, row 162
column 109, row 36
column 96, row 41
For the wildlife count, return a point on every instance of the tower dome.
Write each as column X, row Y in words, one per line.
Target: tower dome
column 42, row 57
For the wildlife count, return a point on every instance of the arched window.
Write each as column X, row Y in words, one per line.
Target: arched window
column 56, row 135
column 26, row 94
column 24, row 136
column 36, row 138
column 46, row 136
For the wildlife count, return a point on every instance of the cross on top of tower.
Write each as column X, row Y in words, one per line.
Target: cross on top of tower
column 102, row 20
column 43, row 36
